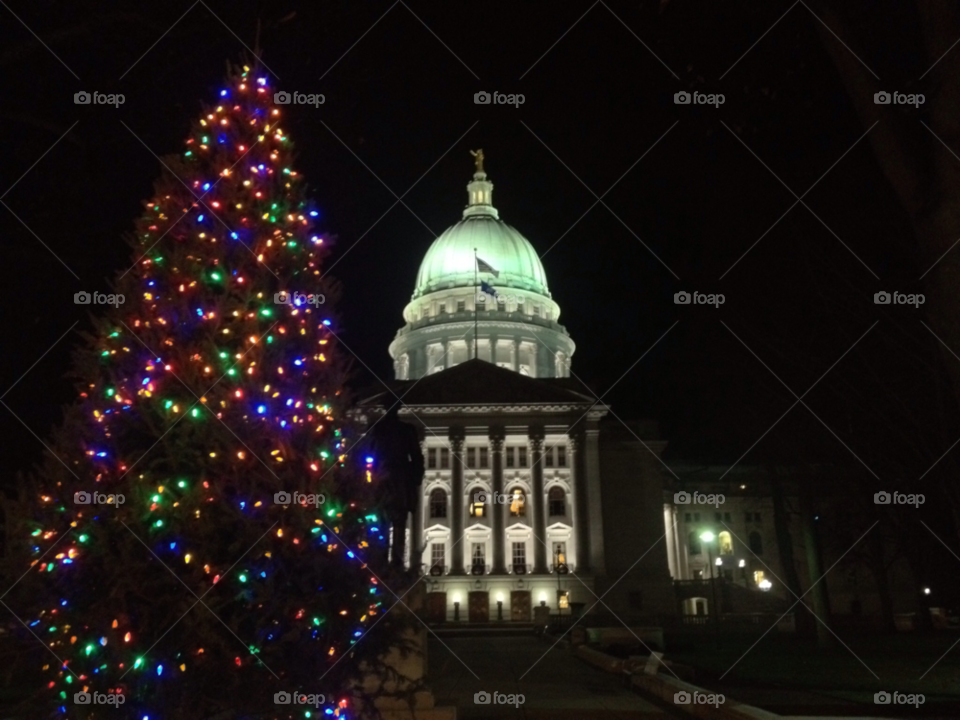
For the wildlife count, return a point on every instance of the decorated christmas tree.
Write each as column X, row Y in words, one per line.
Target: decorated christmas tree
column 199, row 541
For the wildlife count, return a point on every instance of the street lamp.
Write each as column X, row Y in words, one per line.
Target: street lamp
column 707, row 537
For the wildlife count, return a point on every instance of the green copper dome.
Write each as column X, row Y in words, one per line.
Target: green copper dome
column 449, row 262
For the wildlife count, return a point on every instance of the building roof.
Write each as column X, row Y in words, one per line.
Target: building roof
column 477, row 382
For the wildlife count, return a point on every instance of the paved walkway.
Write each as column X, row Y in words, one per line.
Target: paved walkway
column 559, row 687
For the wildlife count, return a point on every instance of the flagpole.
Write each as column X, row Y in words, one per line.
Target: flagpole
column 476, row 297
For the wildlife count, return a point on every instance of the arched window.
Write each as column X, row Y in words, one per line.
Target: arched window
column 478, row 503
column 756, row 543
column 557, row 502
column 516, row 503
column 693, row 544
column 438, row 504
column 725, row 541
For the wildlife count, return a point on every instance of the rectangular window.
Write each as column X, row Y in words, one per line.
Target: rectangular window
column 726, row 517
column 444, row 458
column 519, row 553
column 437, row 555
column 548, row 457
column 478, row 550
column 443, row 308
column 523, row 456
column 536, row 311
column 686, row 517
column 471, row 457
column 559, row 554
column 461, row 306
column 484, row 461
column 696, row 517
column 561, row 456
column 748, row 516
column 718, row 516
column 510, row 457
column 431, row 457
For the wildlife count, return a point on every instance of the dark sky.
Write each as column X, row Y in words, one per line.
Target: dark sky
column 598, row 82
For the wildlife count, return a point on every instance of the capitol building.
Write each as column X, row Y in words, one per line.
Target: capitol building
column 528, row 498
column 535, row 495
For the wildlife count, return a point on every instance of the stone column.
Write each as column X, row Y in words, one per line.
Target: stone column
column 456, row 501
column 416, row 529
column 595, row 501
column 516, row 355
column 446, row 353
column 493, row 348
column 539, row 505
column 580, row 502
column 496, row 508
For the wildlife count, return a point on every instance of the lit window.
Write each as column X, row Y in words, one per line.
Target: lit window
column 559, row 553
column 758, row 576
column 516, row 503
column 726, row 543
column 477, row 507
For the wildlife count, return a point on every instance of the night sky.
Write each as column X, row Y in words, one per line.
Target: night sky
column 598, row 82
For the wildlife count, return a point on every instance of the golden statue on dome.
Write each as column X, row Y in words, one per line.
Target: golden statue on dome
column 478, row 159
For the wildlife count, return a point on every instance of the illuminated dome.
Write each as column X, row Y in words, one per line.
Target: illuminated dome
column 518, row 329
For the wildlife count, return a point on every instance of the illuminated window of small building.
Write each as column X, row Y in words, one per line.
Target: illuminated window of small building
column 557, row 502
column 438, row 504
column 516, row 503
column 564, row 600
column 758, row 577
column 725, row 540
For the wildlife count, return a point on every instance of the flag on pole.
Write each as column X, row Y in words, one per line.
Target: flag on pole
column 487, row 268
column 487, row 289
